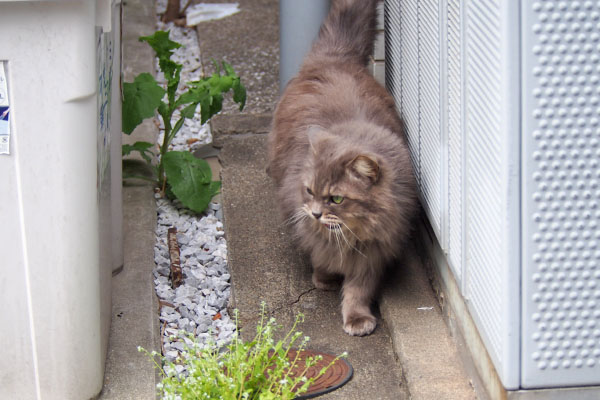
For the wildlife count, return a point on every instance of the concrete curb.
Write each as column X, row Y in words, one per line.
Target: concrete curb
column 421, row 340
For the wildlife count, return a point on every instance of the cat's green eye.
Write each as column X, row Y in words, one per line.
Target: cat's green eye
column 309, row 191
column 337, row 199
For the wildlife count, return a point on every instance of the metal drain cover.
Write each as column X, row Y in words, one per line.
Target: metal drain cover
column 336, row 376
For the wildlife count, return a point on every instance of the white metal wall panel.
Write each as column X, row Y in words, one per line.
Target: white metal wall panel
column 502, row 105
column 414, row 64
column 484, row 163
column 455, row 137
column 430, row 134
column 455, row 104
column 409, row 28
column 561, row 193
column 393, row 56
column 491, row 106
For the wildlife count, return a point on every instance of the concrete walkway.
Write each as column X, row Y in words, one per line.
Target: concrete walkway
column 130, row 374
column 410, row 355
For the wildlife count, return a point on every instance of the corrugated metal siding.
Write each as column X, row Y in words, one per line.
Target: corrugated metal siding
column 455, row 138
column 483, row 104
column 454, row 103
column 409, row 46
column 393, row 56
column 430, row 156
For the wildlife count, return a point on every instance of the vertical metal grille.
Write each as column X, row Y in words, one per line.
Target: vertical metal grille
column 448, row 77
column 483, row 168
column 455, row 138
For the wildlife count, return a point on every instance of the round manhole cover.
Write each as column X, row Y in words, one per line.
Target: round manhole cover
column 336, row 376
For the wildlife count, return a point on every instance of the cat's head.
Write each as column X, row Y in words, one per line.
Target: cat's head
column 341, row 188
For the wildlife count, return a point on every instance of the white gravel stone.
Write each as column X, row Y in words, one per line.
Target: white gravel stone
column 198, row 273
column 172, row 355
column 170, row 317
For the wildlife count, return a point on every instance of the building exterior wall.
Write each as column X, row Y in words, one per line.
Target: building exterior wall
column 500, row 103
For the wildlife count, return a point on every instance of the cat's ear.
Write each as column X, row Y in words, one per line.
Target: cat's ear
column 366, row 167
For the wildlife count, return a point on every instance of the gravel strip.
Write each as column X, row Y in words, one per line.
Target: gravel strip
column 198, row 306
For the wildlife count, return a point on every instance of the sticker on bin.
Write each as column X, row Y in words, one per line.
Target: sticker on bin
column 4, row 113
column 3, row 86
column 4, row 130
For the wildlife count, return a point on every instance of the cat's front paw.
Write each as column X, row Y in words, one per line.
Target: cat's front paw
column 360, row 325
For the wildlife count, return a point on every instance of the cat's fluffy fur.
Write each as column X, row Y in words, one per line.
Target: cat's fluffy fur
column 336, row 138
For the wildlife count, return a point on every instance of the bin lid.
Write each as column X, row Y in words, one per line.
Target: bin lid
column 103, row 9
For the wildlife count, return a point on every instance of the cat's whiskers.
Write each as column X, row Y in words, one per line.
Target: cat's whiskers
column 333, row 225
column 298, row 216
column 338, row 243
column 350, row 245
column 339, row 232
column 350, row 230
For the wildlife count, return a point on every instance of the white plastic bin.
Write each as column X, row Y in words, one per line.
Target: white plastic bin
column 60, row 61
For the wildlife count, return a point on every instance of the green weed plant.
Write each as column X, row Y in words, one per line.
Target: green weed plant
column 256, row 370
column 178, row 172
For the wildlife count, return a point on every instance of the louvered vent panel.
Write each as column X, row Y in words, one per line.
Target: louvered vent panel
column 484, row 238
column 455, row 100
column 393, row 59
column 455, row 139
column 429, row 111
column 409, row 45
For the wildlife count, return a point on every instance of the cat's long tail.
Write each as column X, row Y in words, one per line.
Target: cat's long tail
column 348, row 30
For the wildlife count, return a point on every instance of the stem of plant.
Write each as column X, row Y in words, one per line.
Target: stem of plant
column 170, row 132
column 162, row 181
column 164, row 148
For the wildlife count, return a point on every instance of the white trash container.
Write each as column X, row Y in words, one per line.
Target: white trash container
column 59, row 94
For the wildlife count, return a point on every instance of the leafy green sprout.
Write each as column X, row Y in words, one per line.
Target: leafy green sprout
column 178, row 172
column 259, row 369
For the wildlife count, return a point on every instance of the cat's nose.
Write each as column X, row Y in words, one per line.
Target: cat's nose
column 317, row 214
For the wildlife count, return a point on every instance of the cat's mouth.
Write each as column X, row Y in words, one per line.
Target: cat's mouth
column 332, row 226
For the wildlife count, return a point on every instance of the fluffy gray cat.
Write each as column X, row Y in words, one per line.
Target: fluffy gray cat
column 339, row 159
